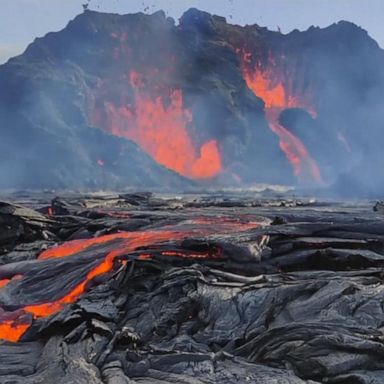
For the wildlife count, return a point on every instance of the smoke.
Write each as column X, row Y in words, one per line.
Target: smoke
column 344, row 68
column 75, row 119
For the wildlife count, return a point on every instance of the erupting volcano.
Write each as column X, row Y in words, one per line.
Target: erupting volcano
column 116, row 267
column 161, row 127
column 141, row 101
column 275, row 89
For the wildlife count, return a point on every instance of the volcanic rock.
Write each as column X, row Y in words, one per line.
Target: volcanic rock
column 73, row 104
column 202, row 294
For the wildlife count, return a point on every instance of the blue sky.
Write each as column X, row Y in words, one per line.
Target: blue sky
column 23, row 20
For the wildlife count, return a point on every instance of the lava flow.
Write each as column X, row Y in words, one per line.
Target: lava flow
column 277, row 96
column 108, row 250
column 304, row 166
column 160, row 127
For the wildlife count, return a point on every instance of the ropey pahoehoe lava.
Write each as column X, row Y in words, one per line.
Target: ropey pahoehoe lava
column 219, row 288
column 93, row 258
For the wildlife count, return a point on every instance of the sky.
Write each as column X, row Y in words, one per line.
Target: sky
column 21, row 21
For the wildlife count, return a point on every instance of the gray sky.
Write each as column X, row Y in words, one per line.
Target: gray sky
column 23, row 20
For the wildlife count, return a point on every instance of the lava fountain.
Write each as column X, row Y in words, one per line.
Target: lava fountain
column 160, row 126
column 277, row 94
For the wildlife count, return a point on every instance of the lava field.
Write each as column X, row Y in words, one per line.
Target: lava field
column 190, row 289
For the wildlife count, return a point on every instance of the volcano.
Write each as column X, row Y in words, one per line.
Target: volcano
column 115, row 101
column 191, row 287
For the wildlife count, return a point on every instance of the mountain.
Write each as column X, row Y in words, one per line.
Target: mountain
column 116, row 101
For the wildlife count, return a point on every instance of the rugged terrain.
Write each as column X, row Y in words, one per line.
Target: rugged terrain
column 113, row 101
column 220, row 288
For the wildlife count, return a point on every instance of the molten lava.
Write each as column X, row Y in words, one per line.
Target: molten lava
column 11, row 330
column 160, row 126
column 275, row 90
column 114, row 247
column 274, row 96
column 304, row 166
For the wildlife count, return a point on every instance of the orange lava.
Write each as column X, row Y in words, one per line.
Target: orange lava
column 227, row 224
column 122, row 244
column 209, row 162
column 304, row 166
column 273, row 95
column 4, row 282
column 12, row 331
column 160, row 127
column 75, row 246
column 277, row 95
column 214, row 254
column 131, row 241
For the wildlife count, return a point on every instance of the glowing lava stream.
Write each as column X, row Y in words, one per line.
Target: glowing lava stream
column 160, row 127
column 266, row 85
column 14, row 324
column 304, row 166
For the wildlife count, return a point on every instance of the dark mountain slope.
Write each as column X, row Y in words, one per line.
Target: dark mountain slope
column 191, row 96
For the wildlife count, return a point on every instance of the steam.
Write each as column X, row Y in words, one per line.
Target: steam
column 274, row 86
column 228, row 104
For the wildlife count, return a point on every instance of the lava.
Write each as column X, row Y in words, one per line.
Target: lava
column 227, row 224
column 190, row 255
column 4, row 282
column 304, row 166
column 275, row 90
column 116, row 246
column 273, row 95
column 160, row 127
column 12, row 330
column 75, row 246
